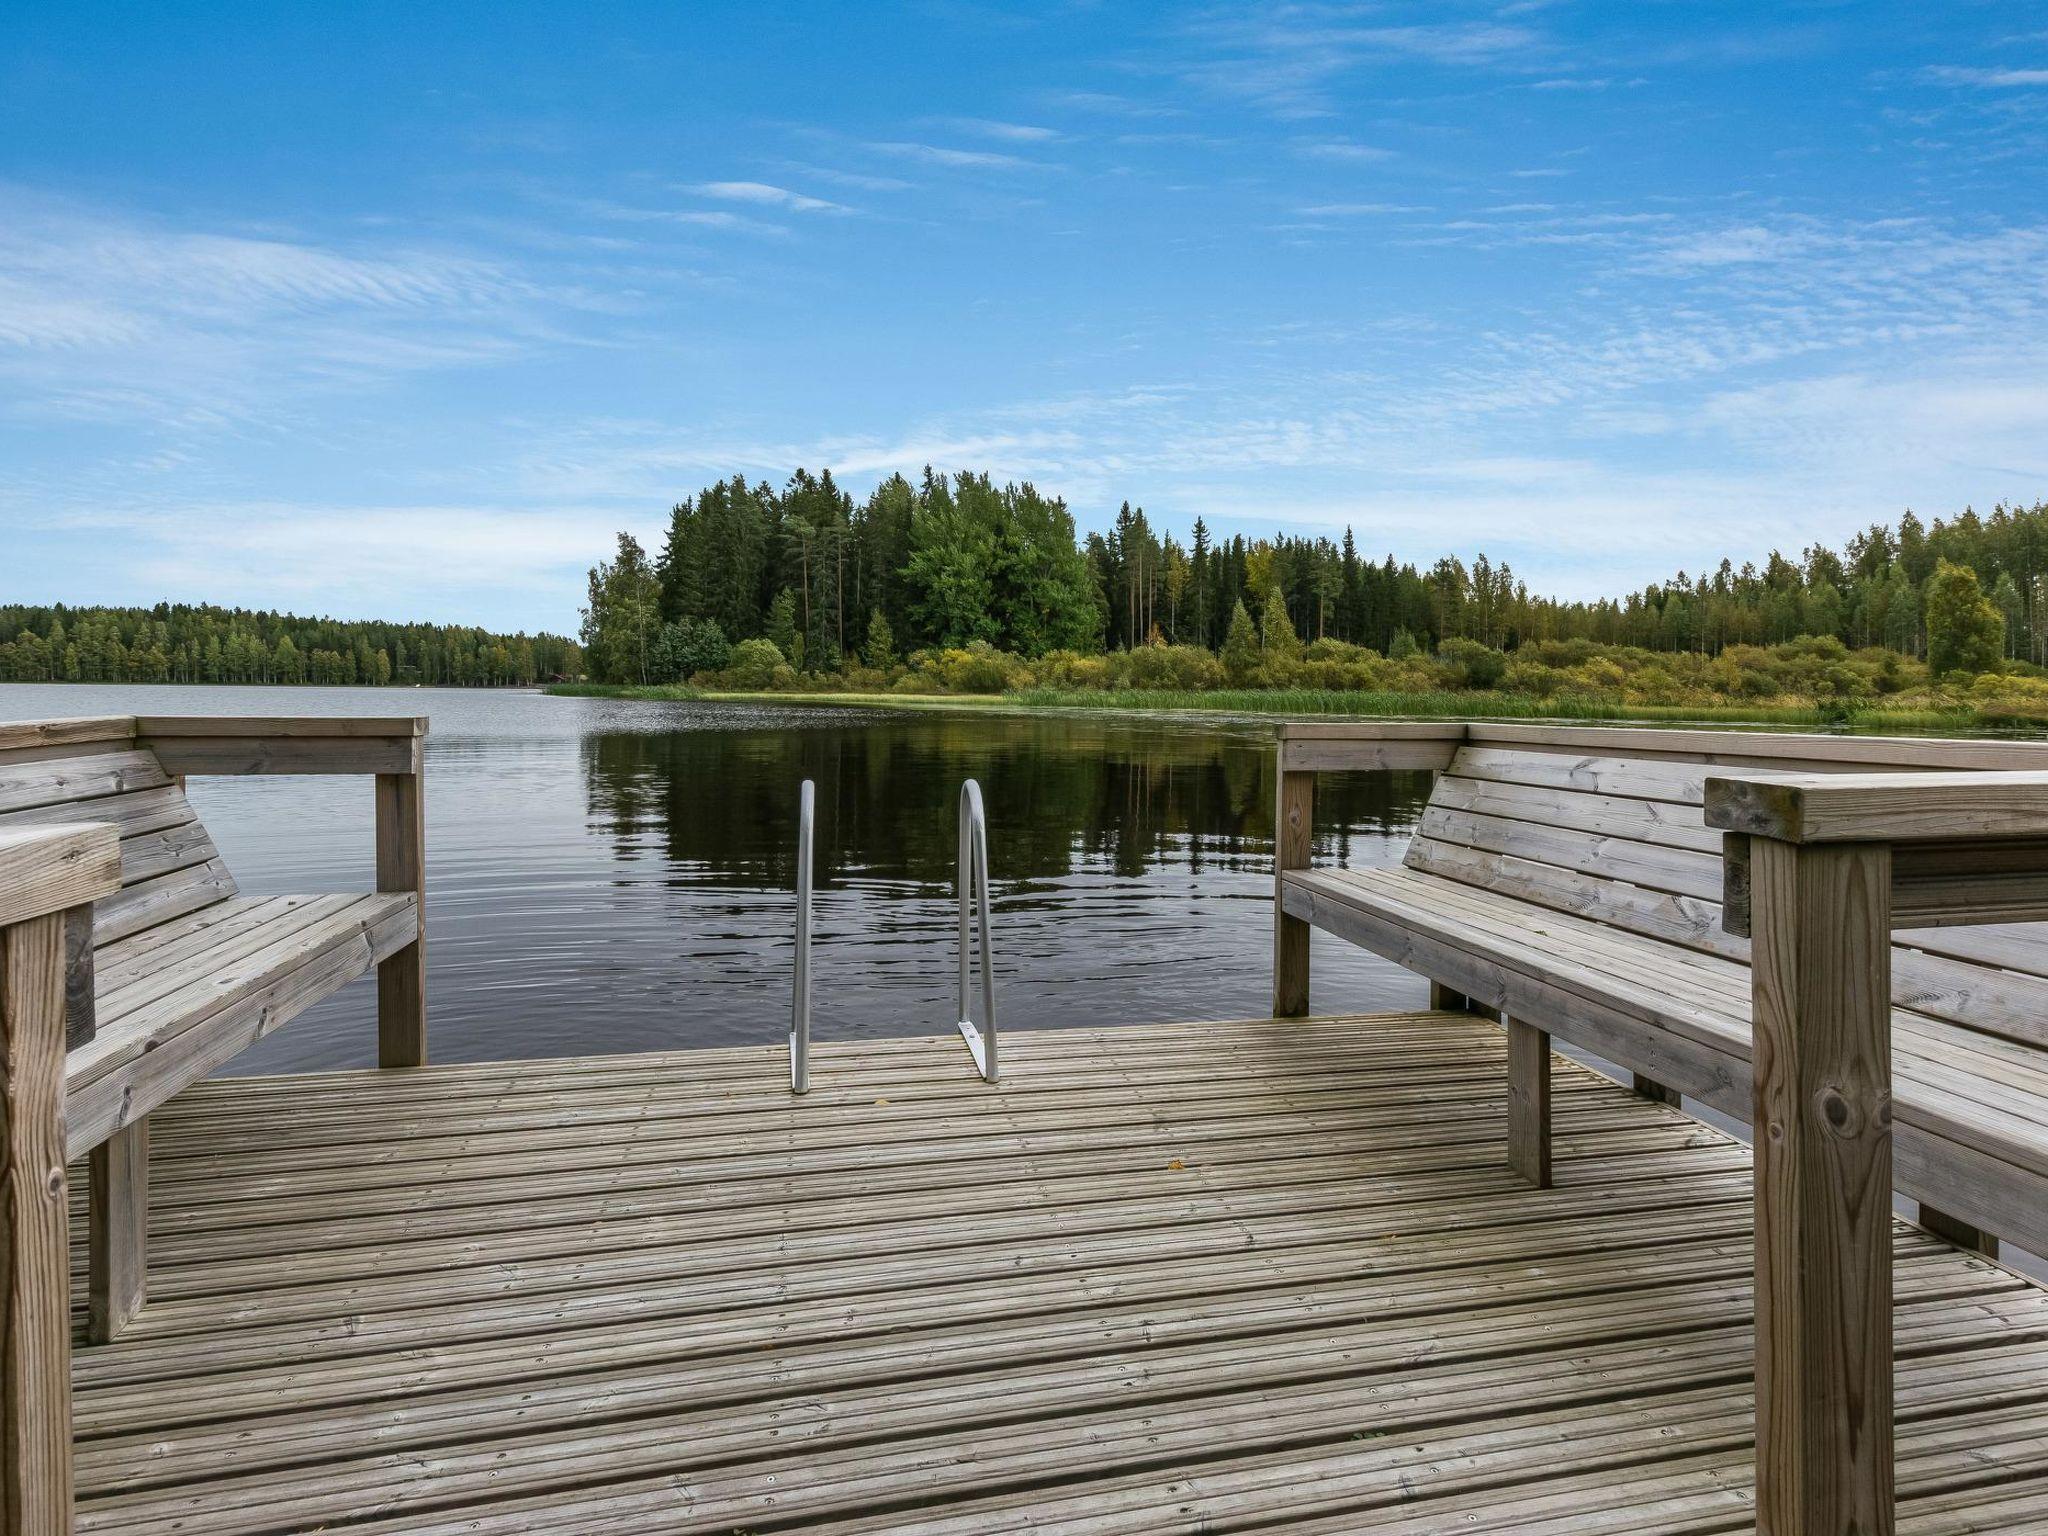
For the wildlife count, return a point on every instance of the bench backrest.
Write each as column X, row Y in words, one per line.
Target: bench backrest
column 1598, row 827
column 96, row 771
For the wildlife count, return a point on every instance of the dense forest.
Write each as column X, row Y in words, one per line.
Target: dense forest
column 882, row 589
column 180, row 643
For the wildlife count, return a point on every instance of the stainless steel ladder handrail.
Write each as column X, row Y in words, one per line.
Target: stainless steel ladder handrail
column 800, row 1000
column 972, row 882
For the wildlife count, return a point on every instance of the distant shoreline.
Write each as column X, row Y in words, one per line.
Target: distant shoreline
column 1291, row 703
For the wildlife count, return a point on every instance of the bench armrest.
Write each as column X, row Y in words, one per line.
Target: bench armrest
column 1357, row 746
column 1880, row 807
column 1963, row 848
column 52, row 869
column 229, row 744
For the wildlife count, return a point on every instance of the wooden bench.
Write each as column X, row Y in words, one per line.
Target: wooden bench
column 174, row 973
column 1602, row 884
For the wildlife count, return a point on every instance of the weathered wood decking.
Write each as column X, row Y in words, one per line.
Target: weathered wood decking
column 1195, row 1277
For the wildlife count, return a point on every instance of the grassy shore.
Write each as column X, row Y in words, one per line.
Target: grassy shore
column 1299, row 702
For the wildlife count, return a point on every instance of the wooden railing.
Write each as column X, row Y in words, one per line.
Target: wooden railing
column 50, row 877
column 391, row 747
column 1821, row 869
column 44, row 873
column 1305, row 751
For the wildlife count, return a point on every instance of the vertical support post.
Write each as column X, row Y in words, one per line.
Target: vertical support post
column 402, row 866
column 117, row 1231
column 1293, row 836
column 1821, row 1000
column 35, row 1262
column 1650, row 1088
column 1443, row 999
column 1529, row 1102
column 80, row 1019
column 1953, row 1229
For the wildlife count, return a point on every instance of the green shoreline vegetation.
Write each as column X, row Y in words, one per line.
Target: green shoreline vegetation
column 204, row 643
column 960, row 589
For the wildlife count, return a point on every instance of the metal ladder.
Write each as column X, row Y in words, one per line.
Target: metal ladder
column 972, row 880
column 971, row 888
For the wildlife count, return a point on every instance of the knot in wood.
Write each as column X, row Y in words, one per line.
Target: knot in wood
column 1838, row 1111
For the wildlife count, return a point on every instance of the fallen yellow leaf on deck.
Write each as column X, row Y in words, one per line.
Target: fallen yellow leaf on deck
column 1175, row 1165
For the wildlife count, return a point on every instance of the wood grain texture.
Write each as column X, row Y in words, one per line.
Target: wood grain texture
column 47, row 869
column 275, row 753
column 1822, row 1042
column 16, row 735
column 1293, row 846
column 35, row 1332
column 256, row 726
column 1221, row 1276
column 1720, row 744
column 1970, row 1110
column 1889, row 807
column 79, row 1011
column 1529, row 1103
column 402, row 867
column 117, row 1231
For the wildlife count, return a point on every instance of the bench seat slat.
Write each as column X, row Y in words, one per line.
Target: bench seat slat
column 153, row 1011
column 173, row 968
column 149, row 902
column 119, row 962
column 1719, row 984
column 157, row 1060
column 1996, row 1110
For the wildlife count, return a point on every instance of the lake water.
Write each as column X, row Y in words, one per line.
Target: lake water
column 605, row 875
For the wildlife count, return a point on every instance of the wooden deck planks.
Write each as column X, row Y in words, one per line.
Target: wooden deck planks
column 1216, row 1277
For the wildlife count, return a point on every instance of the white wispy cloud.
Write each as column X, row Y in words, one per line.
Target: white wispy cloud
column 1347, row 210
column 117, row 319
column 1952, row 74
column 1014, row 133
column 1109, row 103
column 1288, row 58
column 1342, row 149
column 765, row 194
column 945, row 155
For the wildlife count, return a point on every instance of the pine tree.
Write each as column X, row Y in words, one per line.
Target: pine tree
column 1241, row 655
column 1276, row 631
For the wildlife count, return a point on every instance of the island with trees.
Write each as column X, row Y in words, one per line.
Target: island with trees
column 959, row 586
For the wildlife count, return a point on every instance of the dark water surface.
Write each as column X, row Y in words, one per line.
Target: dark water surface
column 614, row 876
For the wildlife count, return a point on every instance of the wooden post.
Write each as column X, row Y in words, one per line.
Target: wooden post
column 1443, row 1000
column 402, row 866
column 1650, row 1088
column 1953, row 1229
column 117, row 1231
column 1821, row 999
column 1529, row 1102
column 1293, row 828
column 43, row 872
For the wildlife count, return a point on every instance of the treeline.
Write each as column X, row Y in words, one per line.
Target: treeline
column 948, row 563
column 942, row 564
column 184, row 643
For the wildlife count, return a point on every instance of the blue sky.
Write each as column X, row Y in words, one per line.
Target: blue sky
column 401, row 310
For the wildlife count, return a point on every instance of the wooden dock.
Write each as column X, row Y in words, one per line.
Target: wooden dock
column 1200, row 1277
